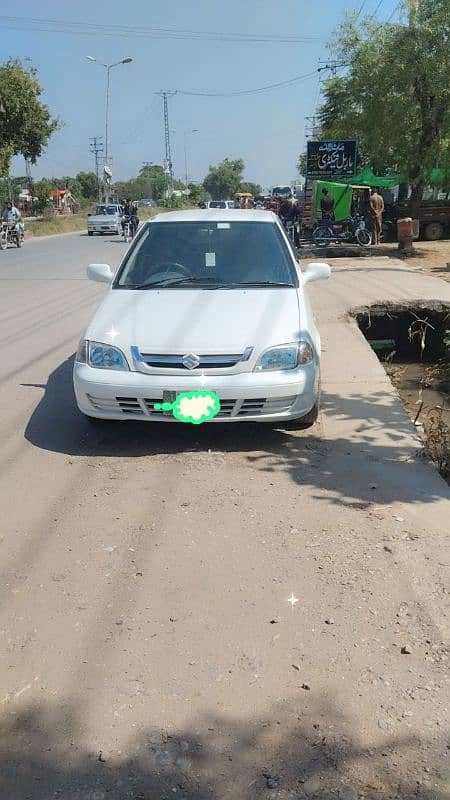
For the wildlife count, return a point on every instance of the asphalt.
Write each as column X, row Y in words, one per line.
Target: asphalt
column 149, row 648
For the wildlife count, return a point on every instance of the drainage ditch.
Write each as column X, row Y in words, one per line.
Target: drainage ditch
column 412, row 341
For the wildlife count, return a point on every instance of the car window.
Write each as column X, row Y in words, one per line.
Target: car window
column 106, row 210
column 222, row 253
column 217, row 204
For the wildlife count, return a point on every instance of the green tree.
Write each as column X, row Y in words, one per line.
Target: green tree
column 395, row 97
column 252, row 188
column 85, row 185
column 196, row 193
column 223, row 181
column 301, row 164
column 25, row 122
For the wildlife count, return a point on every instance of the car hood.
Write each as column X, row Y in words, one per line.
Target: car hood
column 178, row 321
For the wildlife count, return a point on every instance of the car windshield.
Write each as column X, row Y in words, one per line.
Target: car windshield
column 106, row 210
column 208, row 254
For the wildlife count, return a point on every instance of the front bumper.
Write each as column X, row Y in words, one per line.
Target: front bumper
column 253, row 396
column 107, row 228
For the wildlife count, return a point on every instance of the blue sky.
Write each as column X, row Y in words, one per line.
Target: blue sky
column 266, row 130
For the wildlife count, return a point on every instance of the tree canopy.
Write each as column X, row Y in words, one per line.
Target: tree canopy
column 395, row 96
column 25, row 122
column 223, row 181
column 252, row 188
column 149, row 183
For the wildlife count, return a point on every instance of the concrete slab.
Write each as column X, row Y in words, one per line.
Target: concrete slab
column 370, row 437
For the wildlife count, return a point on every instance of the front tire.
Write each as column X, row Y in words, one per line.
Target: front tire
column 364, row 237
column 3, row 242
column 302, row 423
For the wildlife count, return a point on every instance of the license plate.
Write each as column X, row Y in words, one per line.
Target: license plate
column 169, row 396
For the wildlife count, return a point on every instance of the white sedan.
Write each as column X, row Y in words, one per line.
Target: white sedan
column 106, row 219
column 204, row 301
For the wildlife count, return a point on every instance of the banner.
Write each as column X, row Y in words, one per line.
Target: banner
column 331, row 159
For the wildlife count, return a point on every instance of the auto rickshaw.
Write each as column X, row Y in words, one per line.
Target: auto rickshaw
column 244, row 200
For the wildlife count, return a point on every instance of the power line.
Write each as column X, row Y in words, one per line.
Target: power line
column 258, row 90
column 92, row 29
column 361, row 8
column 397, row 8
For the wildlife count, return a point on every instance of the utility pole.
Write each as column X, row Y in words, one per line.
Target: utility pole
column 168, row 166
column 311, row 126
column 96, row 148
column 28, row 172
column 331, row 66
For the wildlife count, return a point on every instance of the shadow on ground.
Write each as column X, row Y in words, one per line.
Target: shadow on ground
column 300, row 749
column 344, row 470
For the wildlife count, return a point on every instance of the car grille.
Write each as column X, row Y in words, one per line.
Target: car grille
column 132, row 406
column 168, row 361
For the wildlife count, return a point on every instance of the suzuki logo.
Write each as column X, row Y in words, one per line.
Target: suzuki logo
column 190, row 361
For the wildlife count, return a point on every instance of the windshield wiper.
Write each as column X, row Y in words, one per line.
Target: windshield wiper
column 166, row 282
column 266, row 283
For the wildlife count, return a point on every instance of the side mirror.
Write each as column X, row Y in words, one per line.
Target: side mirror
column 317, row 271
column 102, row 273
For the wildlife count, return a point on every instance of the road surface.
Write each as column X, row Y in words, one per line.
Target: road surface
column 223, row 612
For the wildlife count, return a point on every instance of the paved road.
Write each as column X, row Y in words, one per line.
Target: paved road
column 148, row 648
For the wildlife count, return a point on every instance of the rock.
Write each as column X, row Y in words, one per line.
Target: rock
column 271, row 783
column 406, row 650
column 306, row 686
column 329, row 621
column 296, row 666
column 274, row 621
column 387, row 548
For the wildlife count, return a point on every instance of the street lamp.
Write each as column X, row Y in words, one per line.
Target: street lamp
column 108, row 68
column 186, row 134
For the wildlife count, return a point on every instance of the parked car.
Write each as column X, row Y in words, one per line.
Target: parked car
column 148, row 203
column 217, row 204
column 106, row 219
column 204, row 300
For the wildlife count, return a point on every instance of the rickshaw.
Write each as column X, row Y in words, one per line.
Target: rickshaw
column 244, row 200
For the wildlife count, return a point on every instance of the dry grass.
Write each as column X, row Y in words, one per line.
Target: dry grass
column 57, row 224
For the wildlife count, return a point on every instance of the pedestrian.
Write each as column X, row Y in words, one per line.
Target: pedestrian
column 327, row 205
column 376, row 216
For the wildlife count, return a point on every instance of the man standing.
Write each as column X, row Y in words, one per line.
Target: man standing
column 327, row 205
column 376, row 217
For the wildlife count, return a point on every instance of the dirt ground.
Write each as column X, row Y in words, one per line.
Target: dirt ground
column 432, row 257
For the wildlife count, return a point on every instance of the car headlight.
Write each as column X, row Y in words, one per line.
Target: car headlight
column 286, row 356
column 101, row 356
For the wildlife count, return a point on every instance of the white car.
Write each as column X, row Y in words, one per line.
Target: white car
column 220, row 204
column 204, row 300
column 106, row 219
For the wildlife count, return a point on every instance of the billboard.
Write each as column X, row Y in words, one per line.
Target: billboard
column 331, row 159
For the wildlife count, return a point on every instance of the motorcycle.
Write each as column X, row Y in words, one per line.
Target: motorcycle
column 128, row 229
column 352, row 229
column 10, row 233
column 289, row 227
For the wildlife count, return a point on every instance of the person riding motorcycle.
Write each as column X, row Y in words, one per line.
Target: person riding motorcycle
column 12, row 216
column 289, row 213
column 130, row 216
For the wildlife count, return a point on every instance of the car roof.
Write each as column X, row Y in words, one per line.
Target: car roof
column 216, row 215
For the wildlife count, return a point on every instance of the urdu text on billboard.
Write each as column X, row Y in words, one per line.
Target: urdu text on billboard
column 331, row 159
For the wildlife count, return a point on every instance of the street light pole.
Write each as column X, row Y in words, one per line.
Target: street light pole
column 108, row 68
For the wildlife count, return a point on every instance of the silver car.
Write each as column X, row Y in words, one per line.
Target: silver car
column 106, row 219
